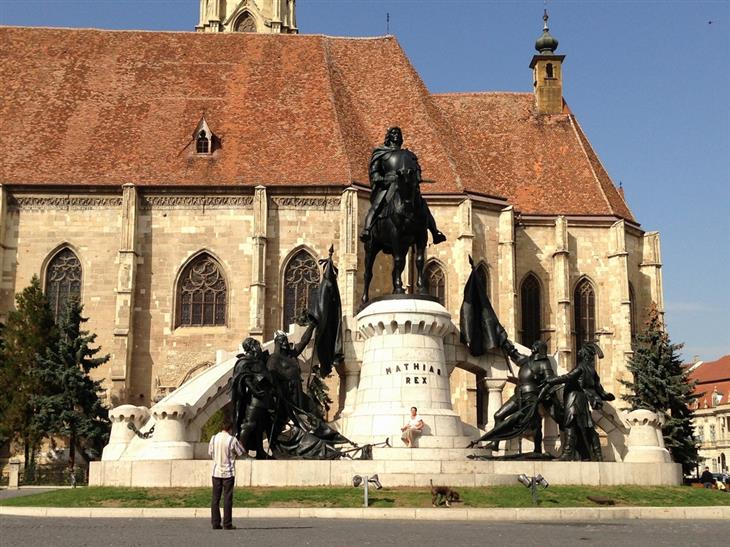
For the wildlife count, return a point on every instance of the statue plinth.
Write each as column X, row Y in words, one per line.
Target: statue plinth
column 404, row 366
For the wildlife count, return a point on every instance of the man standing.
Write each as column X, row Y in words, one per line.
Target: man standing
column 223, row 448
column 707, row 480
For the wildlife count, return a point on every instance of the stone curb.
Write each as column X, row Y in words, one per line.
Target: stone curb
column 467, row 514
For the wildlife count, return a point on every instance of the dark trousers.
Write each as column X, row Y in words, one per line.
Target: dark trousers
column 225, row 487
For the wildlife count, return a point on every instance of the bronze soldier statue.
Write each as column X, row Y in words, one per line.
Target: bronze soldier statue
column 583, row 391
column 521, row 412
column 253, row 397
column 385, row 165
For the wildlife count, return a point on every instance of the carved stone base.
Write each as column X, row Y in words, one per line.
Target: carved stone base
column 404, row 366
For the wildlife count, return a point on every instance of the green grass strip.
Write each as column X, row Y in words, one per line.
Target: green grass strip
column 496, row 496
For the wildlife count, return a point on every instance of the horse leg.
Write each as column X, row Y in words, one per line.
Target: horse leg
column 399, row 264
column 420, row 262
column 371, row 251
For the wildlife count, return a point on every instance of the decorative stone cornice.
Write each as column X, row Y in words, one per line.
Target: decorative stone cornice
column 64, row 203
column 195, row 202
column 299, row 202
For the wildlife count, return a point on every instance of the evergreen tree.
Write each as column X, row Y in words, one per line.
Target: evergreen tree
column 28, row 332
column 71, row 406
column 661, row 384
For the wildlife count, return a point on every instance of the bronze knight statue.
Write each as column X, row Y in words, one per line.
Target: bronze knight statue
column 253, row 397
column 399, row 216
column 583, row 391
column 521, row 413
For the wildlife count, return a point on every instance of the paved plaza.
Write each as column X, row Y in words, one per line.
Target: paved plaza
column 61, row 532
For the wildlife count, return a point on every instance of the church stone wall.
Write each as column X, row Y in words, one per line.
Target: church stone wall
column 169, row 235
column 534, row 254
column 170, row 229
column 38, row 225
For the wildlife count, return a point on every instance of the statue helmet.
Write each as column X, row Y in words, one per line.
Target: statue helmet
column 251, row 345
column 281, row 336
column 539, row 349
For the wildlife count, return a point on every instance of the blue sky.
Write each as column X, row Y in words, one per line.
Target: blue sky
column 648, row 80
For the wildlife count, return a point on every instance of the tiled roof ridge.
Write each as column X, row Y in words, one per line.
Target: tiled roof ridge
column 490, row 92
column 196, row 33
column 328, row 64
column 587, row 148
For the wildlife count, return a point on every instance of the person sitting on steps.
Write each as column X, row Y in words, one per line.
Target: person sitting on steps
column 413, row 429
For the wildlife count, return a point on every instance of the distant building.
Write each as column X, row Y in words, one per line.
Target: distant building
column 712, row 412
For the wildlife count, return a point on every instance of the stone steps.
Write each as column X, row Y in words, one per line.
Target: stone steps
column 425, row 441
column 420, row 454
column 392, row 473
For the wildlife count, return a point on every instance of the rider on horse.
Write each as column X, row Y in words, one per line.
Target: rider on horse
column 385, row 168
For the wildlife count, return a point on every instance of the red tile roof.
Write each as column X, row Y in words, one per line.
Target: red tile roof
column 90, row 107
column 712, row 374
column 542, row 164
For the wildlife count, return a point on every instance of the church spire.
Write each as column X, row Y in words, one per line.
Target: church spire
column 547, row 70
column 262, row 16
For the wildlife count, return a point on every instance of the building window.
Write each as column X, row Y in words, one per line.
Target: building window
column 585, row 313
column 63, row 281
column 245, row 23
column 483, row 275
column 632, row 312
column 549, row 70
column 436, row 282
column 201, row 294
column 301, row 279
column 712, row 433
column 202, row 145
column 531, row 310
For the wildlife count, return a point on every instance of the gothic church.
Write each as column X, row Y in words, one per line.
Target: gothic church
column 186, row 202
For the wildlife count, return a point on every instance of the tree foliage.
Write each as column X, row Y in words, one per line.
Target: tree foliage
column 70, row 405
column 28, row 332
column 661, row 384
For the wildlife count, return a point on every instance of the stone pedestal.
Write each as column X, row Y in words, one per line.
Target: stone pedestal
column 403, row 366
column 645, row 443
column 13, row 474
column 170, row 439
column 121, row 434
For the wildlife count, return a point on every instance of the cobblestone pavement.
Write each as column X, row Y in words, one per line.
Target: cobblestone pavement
column 76, row 532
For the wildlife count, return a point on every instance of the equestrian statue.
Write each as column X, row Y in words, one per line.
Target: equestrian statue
column 399, row 217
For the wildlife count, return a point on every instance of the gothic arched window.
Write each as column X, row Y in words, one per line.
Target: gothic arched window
column 245, row 23
column 584, row 300
column 63, row 281
column 436, row 281
column 201, row 294
column 530, row 300
column 301, row 278
column 483, row 275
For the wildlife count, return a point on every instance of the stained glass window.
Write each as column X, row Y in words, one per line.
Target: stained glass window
column 201, row 294
column 436, row 282
column 585, row 313
column 530, row 300
column 246, row 24
column 63, row 281
column 301, row 278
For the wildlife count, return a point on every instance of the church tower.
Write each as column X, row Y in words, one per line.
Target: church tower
column 264, row 16
column 547, row 69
